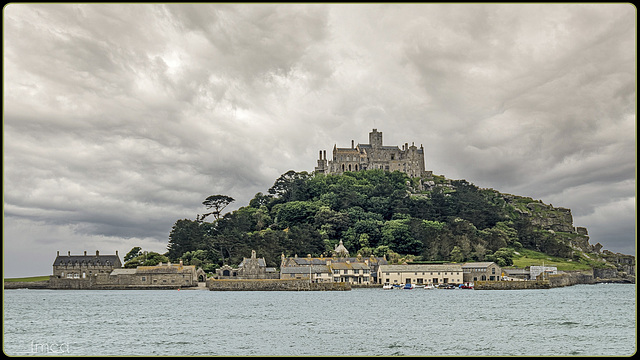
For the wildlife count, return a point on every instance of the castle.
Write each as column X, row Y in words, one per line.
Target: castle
column 374, row 155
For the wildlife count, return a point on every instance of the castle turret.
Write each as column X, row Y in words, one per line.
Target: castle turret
column 375, row 139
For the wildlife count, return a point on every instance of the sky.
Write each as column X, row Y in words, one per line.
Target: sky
column 120, row 119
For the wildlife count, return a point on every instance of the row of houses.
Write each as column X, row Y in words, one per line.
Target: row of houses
column 361, row 270
column 85, row 271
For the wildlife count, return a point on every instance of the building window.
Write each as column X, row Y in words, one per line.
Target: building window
column 144, row 278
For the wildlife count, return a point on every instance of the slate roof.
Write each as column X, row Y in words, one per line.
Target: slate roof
column 315, row 269
column 261, row 262
column 323, row 261
column 88, row 260
column 476, row 264
column 350, row 265
column 420, row 267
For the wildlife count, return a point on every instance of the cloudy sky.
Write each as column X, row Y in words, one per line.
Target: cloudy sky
column 119, row 120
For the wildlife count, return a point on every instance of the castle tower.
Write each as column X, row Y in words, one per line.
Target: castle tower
column 375, row 139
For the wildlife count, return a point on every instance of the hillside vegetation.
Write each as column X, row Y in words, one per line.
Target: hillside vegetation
column 380, row 213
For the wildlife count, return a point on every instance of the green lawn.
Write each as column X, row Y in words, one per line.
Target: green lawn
column 531, row 257
column 28, row 279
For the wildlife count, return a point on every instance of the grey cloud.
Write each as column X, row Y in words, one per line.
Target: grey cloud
column 121, row 119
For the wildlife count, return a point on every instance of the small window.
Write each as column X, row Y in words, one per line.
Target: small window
column 144, row 278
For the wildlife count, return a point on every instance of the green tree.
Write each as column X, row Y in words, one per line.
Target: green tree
column 135, row 252
column 456, row 255
column 217, row 203
column 146, row 259
column 186, row 235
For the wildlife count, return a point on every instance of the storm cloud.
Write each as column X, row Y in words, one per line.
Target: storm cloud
column 120, row 119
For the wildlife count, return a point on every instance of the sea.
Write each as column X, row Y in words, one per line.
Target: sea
column 580, row 320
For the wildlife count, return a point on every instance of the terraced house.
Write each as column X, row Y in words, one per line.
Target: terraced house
column 420, row 274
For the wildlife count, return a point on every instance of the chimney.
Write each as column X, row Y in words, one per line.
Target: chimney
column 85, row 253
column 324, row 152
column 328, row 261
column 181, row 262
column 116, row 252
column 320, row 154
column 352, row 144
column 97, row 253
column 69, row 253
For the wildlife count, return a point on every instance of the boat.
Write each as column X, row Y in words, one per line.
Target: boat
column 387, row 286
column 429, row 287
column 409, row 286
column 466, row 286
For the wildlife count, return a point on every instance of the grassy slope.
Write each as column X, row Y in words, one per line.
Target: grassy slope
column 530, row 257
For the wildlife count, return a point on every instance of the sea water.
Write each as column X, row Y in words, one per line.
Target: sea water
column 581, row 320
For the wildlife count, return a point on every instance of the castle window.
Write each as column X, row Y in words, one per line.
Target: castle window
column 144, row 278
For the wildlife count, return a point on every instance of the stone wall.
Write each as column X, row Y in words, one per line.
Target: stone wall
column 273, row 285
column 558, row 280
column 511, row 285
column 571, row 278
column 26, row 284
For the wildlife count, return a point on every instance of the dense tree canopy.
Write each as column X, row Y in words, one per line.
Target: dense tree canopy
column 372, row 212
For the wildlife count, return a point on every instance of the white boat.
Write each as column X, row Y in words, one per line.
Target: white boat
column 429, row 287
column 387, row 286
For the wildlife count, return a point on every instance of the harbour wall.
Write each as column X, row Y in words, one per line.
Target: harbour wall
column 26, row 284
column 552, row 281
column 273, row 285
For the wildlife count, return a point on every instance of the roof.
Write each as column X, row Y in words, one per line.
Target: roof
column 421, row 267
column 165, row 269
column 89, row 260
column 313, row 261
column 477, row 264
column 349, row 265
column 323, row 261
column 516, row 271
column 123, row 271
column 261, row 262
column 315, row 269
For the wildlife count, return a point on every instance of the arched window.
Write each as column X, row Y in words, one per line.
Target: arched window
column 356, row 167
column 349, row 167
column 342, row 167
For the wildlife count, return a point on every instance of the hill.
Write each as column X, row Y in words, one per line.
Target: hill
column 385, row 214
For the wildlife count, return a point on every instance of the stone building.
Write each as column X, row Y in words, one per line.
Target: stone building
column 353, row 270
column 106, row 272
column 481, row 271
column 421, row 274
column 84, row 266
column 163, row 274
column 249, row 268
column 374, row 155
